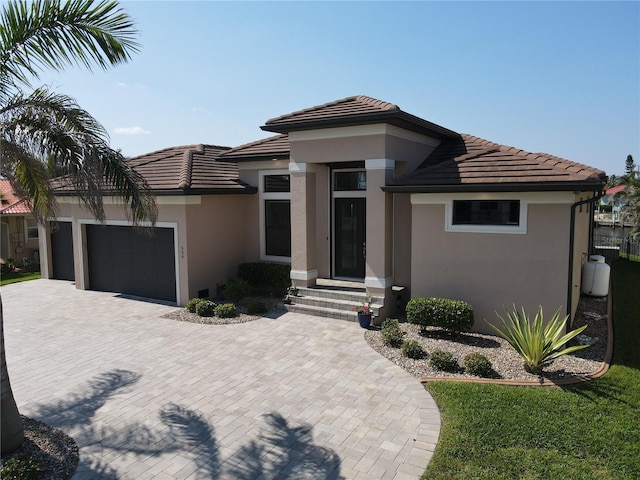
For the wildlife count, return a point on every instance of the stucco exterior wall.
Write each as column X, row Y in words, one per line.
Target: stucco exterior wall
column 219, row 237
column 18, row 246
column 492, row 271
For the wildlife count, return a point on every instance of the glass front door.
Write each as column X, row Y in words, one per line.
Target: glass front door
column 349, row 231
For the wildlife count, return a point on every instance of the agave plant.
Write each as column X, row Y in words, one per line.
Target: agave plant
column 536, row 343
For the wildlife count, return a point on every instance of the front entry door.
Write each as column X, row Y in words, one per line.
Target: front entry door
column 349, row 231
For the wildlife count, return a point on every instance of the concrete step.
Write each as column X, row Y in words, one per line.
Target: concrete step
column 334, row 303
column 322, row 312
column 337, row 293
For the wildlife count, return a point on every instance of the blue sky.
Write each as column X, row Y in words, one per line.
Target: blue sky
column 554, row 77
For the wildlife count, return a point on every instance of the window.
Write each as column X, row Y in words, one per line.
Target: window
column 276, row 184
column 349, row 181
column 275, row 215
column 277, row 226
column 31, row 228
column 486, row 212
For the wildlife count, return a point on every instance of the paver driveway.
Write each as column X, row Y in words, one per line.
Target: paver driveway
column 147, row 397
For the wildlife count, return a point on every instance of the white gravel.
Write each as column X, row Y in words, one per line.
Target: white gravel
column 506, row 362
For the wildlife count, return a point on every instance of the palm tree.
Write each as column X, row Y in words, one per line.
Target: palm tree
column 42, row 131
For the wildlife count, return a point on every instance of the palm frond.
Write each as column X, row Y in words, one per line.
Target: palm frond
column 51, row 126
column 55, row 34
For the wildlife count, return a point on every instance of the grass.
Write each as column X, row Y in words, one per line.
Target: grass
column 585, row 431
column 18, row 276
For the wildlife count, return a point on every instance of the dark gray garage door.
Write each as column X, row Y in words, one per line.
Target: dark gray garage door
column 62, row 251
column 125, row 260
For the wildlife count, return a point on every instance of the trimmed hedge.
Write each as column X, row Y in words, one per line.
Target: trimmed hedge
column 236, row 289
column 391, row 333
column 205, row 308
column 444, row 361
column 193, row 303
column 477, row 364
column 412, row 349
column 226, row 310
column 266, row 277
column 453, row 315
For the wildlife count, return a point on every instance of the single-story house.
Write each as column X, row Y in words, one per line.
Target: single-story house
column 356, row 189
column 18, row 229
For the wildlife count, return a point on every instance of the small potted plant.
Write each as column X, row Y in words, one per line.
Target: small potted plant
column 292, row 290
column 365, row 313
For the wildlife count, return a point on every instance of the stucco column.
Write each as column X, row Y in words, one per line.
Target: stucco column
column 304, row 270
column 379, row 266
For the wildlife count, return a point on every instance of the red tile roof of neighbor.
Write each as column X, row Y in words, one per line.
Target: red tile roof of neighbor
column 614, row 190
column 11, row 203
column 470, row 163
column 188, row 169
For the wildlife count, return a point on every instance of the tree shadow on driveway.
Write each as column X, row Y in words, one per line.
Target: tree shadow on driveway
column 280, row 450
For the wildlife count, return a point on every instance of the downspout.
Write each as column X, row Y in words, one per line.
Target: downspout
column 572, row 235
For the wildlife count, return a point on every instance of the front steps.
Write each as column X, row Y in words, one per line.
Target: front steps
column 333, row 299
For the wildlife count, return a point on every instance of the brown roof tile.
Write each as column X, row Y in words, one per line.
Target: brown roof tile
column 11, row 203
column 472, row 163
column 188, row 169
column 356, row 110
column 269, row 148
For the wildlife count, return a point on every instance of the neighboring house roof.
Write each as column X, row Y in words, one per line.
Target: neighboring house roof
column 184, row 170
column 614, row 190
column 275, row 147
column 350, row 111
column 473, row 164
column 11, row 204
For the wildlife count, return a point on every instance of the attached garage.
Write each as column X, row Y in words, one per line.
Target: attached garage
column 123, row 259
column 62, row 251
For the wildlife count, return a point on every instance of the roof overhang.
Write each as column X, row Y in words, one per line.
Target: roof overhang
column 498, row 187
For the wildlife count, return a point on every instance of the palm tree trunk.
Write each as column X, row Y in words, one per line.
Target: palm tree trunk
column 11, row 423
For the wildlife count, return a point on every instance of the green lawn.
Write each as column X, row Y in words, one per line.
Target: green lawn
column 13, row 277
column 586, row 431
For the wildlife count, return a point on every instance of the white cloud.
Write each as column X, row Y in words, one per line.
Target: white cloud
column 138, row 86
column 200, row 110
column 131, row 131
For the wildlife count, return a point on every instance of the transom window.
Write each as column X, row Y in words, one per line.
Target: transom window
column 486, row 212
column 276, row 184
column 349, row 181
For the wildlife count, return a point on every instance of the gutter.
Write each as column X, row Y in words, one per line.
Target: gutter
column 572, row 235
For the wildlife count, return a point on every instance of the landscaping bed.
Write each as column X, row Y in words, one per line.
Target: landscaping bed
column 273, row 305
column 507, row 363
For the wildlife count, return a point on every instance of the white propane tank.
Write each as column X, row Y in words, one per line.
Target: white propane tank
column 595, row 277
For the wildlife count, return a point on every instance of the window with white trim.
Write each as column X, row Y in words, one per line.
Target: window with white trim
column 486, row 212
column 275, row 215
column 31, row 227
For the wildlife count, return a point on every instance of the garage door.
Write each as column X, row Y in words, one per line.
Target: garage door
column 62, row 251
column 122, row 259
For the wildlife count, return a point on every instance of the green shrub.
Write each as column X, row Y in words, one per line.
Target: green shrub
column 193, row 303
column 20, row 467
column 392, row 336
column 236, row 289
column 266, row 277
column 445, row 361
column 205, row 308
column 536, row 343
column 452, row 315
column 256, row 307
column 412, row 349
column 390, row 322
column 226, row 310
column 477, row 364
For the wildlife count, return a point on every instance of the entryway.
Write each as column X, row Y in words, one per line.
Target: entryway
column 349, row 223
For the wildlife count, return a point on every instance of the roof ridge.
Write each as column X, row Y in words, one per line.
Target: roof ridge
column 186, row 169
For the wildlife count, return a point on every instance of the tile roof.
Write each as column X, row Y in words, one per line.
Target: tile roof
column 356, row 110
column 470, row 163
column 275, row 147
column 188, row 169
column 11, row 203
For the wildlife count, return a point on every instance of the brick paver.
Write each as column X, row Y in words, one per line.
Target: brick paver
column 152, row 398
